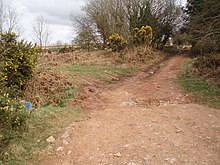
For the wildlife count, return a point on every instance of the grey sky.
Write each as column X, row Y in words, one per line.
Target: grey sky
column 57, row 13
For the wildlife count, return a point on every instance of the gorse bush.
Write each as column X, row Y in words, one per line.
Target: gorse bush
column 142, row 36
column 17, row 66
column 139, row 37
column 12, row 112
column 117, row 42
column 13, row 119
column 18, row 62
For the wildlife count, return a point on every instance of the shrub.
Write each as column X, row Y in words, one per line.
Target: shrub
column 18, row 62
column 142, row 36
column 117, row 42
column 207, row 67
column 17, row 66
column 10, row 110
column 13, row 118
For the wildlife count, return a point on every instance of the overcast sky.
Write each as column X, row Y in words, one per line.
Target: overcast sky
column 57, row 13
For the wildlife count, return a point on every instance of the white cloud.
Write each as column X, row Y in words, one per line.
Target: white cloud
column 57, row 13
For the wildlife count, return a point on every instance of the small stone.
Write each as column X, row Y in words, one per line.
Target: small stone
column 166, row 159
column 178, row 131
column 146, row 160
column 118, row 154
column 65, row 142
column 59, row 149
column 51, row 139
column 69, row 152
column 172, row 160
column 176, row 145
column 132, row 163
column 210, row 115
column 126, row 145
column 65, row 135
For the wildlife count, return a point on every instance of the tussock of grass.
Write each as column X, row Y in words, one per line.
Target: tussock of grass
column 205, row 92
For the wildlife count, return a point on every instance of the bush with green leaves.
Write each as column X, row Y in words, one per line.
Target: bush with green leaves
column 117, row 42
column 142, row 36
column 18, row 62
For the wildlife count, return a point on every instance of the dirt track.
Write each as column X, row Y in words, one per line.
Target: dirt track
column 143, row 121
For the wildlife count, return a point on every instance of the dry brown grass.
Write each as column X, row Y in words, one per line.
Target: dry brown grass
column 208, row 68
column 141, row 55
column 136, row 55
column 74, row 58
column 48, row 88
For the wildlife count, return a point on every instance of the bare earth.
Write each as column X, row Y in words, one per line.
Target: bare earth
column 143, row 120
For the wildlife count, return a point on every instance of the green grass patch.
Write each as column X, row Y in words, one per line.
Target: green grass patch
column 205, row 92
column 43, row 123
column 69, row 93
column 100, row 72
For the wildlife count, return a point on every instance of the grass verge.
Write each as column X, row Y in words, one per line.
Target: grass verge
column 204, row 92
column 43, row 123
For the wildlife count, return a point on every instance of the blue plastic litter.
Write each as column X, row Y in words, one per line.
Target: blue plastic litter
column 28, row 106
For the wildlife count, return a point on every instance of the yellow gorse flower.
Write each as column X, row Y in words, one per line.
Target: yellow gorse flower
column 117, row 42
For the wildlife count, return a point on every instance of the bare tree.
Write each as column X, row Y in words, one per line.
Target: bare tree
column 2, row 15
column 203, row 23
column 86, row 31
column 10, row 19
column 122, row 16
column 41, row 30
column 13, row 19
column 108, row 16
